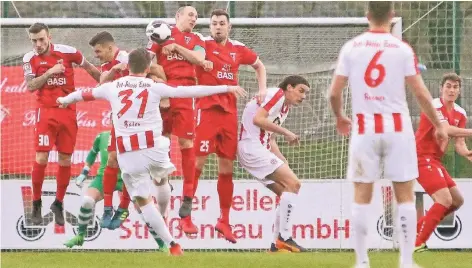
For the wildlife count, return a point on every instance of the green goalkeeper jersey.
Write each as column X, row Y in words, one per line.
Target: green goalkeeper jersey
column 100, row 145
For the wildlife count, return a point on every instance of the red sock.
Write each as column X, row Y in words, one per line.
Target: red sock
column 110, row 177
column 225, row 193
column 431, row 221
column 198, row 172
column 125, row 199
column 37, row 179
column 419, row 224
column 188, row 170
column 62, row 180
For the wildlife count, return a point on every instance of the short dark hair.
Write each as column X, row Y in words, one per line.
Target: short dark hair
column 379, row 10
column 139, row 60
column 38, row 27
column 101, row 38
column 293, row 80
column 451, row 77
column 219, row 12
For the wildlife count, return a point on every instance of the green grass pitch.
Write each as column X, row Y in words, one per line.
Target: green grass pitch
column 432, row 259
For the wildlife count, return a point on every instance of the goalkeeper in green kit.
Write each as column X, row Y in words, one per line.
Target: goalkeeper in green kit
column 94, row 192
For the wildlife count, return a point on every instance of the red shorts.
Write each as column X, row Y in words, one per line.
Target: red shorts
column 179, row 119
column 433, row 176
column 216, row 132
column 55, row 126
column 112, row 140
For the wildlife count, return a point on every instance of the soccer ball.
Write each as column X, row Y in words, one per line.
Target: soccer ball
column 158, row 31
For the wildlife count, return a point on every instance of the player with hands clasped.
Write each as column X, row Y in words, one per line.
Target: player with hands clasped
column 143, row 153
column 259, row 154
column 378, row 67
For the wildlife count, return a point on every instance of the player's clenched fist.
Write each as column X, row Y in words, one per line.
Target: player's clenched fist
column 62, row 102
column 58, row 68
column 168, row 49
column 207, row 65
column 292, row 138
column 237, row 91
column 343, row 125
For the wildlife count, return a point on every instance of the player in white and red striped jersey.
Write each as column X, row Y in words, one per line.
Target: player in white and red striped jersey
column 433, row 176
column 259, row 154
column 378, row 66
column 178, row 56
column 49, row 72
column 217, row 116
column 143, row 153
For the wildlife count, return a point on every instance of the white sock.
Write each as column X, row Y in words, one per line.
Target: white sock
column 360, row 215
column 277, row 224
column 151, row 231
column 287, row 205
column 152, row 217
column 406, row 228
column 163, row 197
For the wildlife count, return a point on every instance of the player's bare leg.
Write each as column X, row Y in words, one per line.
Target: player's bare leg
column 406, row 220
column 164, row 191
column 63, row 179
column 360, row 214
column 291, row 185
column 225, row 188
column 442, row 203
column 110, row 178
column 188, row 169
column 37, row 177
column 154, row 219
column 92, row 196
column 457, row 200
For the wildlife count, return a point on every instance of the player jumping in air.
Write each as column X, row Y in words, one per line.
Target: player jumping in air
column 95, row 190
column 143, row 153
column 434, row 178
column 114, row 65
column 259, row 154
column 178, row 56
column 48, row 71
column 378, row 66
column 217, row 116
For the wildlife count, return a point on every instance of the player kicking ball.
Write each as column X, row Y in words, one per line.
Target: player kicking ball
column 143, row 153
column 259, row 154
column 433, row 176
column 94, row 192
column 378, row 67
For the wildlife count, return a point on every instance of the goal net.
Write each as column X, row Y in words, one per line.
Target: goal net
column 305, row 46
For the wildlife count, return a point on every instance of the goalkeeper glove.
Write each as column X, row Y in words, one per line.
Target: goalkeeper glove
column 79, row 181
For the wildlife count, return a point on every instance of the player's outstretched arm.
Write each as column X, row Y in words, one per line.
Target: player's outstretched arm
column 196, row 56
column 77, row 96
column 454, row 131
column 261, row 120
column 158, row 71
column 92, row 70
column 92, row 155
column 109, row 76
column 461, row 148
column 194, row 91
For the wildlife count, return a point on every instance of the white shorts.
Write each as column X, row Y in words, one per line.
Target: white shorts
column 257, row 160
column 138, row 168
column 390, row 155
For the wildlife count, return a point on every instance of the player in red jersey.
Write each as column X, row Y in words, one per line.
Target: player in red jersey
column 114, row 65
column 217, row 115
column 178, row 56
column 48, row 70
column 434, row 178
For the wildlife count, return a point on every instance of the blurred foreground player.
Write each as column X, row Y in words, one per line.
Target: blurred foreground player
column 259, row 154
column 217, row 116
column 94, row 192
column 178, row 56
column 378, row 66
column 433, row 176
column 48, row 71
column 143, row 153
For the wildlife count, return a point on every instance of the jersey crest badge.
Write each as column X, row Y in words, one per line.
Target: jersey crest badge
column 187, row 39
column 233, row 55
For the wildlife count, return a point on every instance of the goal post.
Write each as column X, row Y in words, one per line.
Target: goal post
column 305, row 46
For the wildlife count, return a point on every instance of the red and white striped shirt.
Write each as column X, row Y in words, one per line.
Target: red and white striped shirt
column 274, row 104
column 135, row 107
column 376, row 64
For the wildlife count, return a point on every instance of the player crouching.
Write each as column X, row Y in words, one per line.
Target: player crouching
column 259, row 154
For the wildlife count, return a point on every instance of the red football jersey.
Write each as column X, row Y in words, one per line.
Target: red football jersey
column 226, row 60
column 58, row 85
column 426, row 144
column 121, row 56
column 174, row 65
